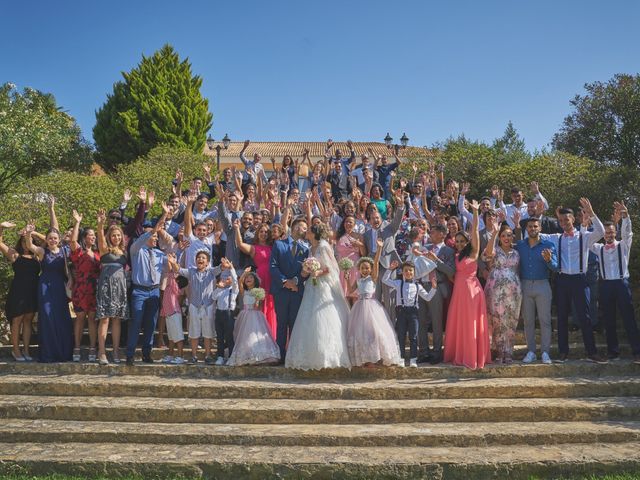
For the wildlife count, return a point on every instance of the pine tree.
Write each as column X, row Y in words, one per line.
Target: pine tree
column 158, row 102
column 511, row 147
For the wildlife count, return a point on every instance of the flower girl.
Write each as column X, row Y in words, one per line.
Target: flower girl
column 371, row 338
column 253, row 341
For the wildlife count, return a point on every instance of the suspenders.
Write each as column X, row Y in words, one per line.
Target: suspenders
column 620, row 270
column 560, row 253
column 415, row 303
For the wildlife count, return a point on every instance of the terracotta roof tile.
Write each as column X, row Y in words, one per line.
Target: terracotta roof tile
column 316, row 149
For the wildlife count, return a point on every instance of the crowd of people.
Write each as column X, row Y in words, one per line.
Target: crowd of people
column 322, row 265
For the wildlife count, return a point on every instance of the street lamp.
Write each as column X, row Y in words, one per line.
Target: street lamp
column 404, row 141
column 225, row 144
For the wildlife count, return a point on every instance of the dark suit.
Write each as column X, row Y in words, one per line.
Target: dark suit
column 434, row 309
column 285, row 266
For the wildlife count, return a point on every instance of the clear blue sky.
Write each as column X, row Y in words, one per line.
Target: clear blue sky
column 302, row 70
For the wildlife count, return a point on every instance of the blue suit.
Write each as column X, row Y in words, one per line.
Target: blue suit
column 285, row 266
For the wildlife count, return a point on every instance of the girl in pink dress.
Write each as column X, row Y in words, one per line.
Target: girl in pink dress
column 466, row 340
column 260, row 252
column 349, row 245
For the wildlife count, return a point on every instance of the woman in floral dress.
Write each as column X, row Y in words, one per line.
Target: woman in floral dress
column 503, row 292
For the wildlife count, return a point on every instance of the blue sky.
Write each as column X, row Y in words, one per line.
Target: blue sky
column 301, row 70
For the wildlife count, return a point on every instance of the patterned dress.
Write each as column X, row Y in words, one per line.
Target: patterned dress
column 504, row 297
column 86, row 270
column 112, row 301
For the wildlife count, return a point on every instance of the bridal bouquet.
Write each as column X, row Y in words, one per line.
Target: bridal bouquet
column 311, row 265
column 257, row 293
column 345, row 264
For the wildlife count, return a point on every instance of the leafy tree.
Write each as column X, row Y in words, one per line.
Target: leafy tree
column 36, row 136
column 158, row 102
column 605, row 123
column 511, row 147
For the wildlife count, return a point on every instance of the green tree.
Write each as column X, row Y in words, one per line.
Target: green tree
column 605, row 123
column 36, row 136
column 158, row 102
column 510, row 147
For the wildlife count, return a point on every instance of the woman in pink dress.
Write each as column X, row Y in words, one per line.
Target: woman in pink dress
column 349, row 245
column 466, row 340
column 260, row 252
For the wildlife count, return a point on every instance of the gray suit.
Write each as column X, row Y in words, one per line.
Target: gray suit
column 434, row 309
column 387, row 232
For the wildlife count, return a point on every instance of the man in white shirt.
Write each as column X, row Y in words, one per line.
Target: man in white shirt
column 613, row 261
column 520, row 205
column 571, row 285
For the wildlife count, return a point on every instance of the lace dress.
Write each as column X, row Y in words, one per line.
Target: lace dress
column 319, row 336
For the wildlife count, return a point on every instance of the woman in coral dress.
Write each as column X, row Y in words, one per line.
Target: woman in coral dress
column 260, row 252
column 351, row 246
column 467, row 336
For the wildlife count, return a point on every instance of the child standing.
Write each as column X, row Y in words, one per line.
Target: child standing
column 225, row 297
column 171, row 311
column 370, row 336
column 202, row 281
column 407, row 292
column 253, row 341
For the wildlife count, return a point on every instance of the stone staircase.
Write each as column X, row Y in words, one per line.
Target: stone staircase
column 269, row 422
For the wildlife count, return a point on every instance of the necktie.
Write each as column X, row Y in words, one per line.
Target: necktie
column 294, row 249
column 152, row 269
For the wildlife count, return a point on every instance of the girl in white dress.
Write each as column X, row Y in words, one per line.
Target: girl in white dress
column 371, row 338
column 253, row 341
column 319, row 336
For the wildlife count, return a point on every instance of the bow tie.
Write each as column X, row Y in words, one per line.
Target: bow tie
column 609, row 246
column 570, row 234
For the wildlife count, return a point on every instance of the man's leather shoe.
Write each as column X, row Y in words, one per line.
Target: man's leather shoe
column 595, row 358
column 435, row 359
column 563, row 357
column 130, row 361
column 147, row 359
column 424, row 358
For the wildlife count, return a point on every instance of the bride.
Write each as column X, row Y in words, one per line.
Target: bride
column 319, row 336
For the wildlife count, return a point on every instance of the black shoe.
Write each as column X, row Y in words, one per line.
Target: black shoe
column 613, row 357
column 595, row 358
column 435, row 359
column 130, row 361
column 636, row 359
column 425, row 358
column 597, row 328
column 573, row 328
column 147, row 359
column 563, row 357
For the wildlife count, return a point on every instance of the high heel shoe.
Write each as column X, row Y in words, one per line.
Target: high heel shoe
column 102, row 360
column 18, row 358
column 27, row 357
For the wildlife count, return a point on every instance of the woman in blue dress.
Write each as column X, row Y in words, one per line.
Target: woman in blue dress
column 55, row 328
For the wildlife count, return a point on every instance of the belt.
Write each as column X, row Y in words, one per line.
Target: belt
column 145, row 288
column 366, row 295
column 411, row 307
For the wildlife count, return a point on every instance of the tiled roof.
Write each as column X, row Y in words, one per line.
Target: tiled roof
column 316, row 149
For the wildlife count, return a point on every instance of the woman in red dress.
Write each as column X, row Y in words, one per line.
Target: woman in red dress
column 466, row 340
column 260, row 252
column 86, row 268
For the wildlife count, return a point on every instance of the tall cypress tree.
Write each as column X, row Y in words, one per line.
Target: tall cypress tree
column 158, row 102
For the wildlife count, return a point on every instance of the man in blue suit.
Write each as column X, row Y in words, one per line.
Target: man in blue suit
column 286, row 279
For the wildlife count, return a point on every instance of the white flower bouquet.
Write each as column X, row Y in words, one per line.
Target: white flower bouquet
column 257, row 293
column 345, row 264
column 311, row 265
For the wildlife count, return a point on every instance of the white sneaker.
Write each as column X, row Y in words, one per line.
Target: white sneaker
column 529, row 358
column 401, row 363
column 546, row 358
column 178, row 361
column 220, row 361
column 413, row 362
column 167, row 359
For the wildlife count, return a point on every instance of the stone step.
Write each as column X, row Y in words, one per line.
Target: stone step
column 211, row 388
column 149, row 409
column 572, row 368
column 280, row 462
column 478, row 434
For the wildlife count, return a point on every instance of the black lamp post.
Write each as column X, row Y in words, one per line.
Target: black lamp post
column 225, row 144
column 404, row 141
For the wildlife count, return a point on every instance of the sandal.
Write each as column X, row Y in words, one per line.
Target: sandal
column 76, row 354
column 18, row 358
column 92, row 354
column 102, row 360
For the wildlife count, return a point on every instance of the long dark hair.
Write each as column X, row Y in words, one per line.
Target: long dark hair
column 256, row 280
column 466, row 251
column 341, row 229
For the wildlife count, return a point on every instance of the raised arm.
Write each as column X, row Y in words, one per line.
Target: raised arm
column 475, row 234
column 243, row 159
column 245, row 248
column 134, row 227
column 490, row 249
column 102, row 241
column 376, row 260
column 76, row 231
column 37, row 251
column 188, row 213
column 53, row 218
column 8, row 252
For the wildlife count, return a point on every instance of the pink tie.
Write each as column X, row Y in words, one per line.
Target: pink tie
column 569, row 234
column 609, row 246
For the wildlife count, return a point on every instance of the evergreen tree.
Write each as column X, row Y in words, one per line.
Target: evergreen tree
column 511, row 147
column 159, row 102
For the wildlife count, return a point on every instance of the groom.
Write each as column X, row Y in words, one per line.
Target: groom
column 286, row 279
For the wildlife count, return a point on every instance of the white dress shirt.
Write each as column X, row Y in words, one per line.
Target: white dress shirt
column 608, row 256
column 407, row 290
column 569, row 254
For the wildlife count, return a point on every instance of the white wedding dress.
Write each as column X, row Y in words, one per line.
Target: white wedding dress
column 319, row 336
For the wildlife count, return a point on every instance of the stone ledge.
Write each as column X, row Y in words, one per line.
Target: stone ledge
column 95, row 385
column 240, row 462
column 266, row 411
column 478, row 434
